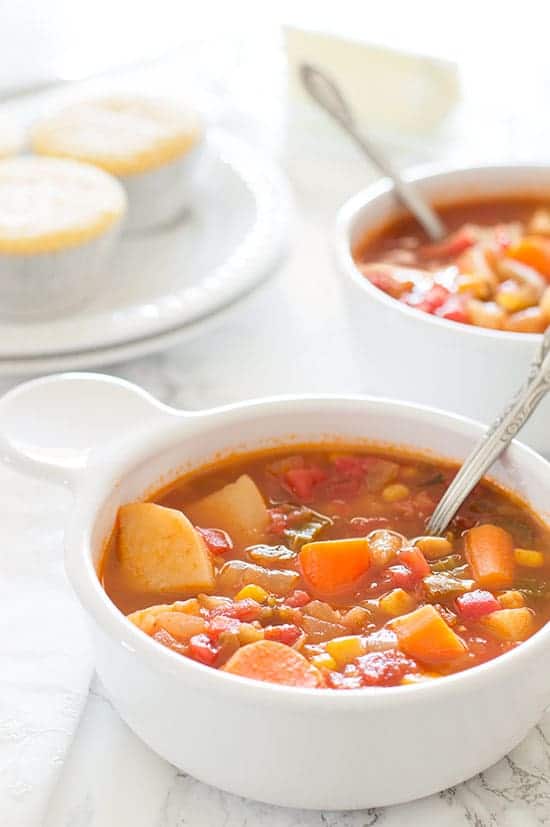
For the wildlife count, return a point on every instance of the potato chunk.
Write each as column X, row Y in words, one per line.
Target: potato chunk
column 511, row 624
column 159, row 550
column 237, row 508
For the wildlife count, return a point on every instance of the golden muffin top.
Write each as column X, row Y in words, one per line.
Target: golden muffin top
column 123, row 135
column 47, row 204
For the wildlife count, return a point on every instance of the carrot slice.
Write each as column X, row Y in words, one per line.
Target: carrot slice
column 424, row 635
column 331, row 566
column 274, row 662
column 490, row 553
column 534, row 251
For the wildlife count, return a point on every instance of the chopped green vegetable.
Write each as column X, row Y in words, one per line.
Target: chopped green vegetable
column 533, row 589
column 308, row 530
column 269, row 556
column 444, row 586
column 436, row 479
column 451, row 563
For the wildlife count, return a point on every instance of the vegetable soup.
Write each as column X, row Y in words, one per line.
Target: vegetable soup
column 492, row 270
column 310, row 567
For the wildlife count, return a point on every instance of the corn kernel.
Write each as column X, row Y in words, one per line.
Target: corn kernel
column 395, row 493
column 397, row 602
column 434, row 547
column 324, row 661
column 529, row 558
column 513, row 297
column 252, row 592
column 345, row 649
column 409, row 472
column 511, row 599
column 468, row 283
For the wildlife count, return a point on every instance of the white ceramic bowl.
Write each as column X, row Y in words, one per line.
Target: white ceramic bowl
column 298, row 747
column 409, row 354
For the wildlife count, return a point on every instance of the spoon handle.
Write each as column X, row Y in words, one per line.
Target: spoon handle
column 496, row 438
column 329, row 96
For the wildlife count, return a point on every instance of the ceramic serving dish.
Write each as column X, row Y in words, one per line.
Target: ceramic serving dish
column 413, row 355
column 111, row 443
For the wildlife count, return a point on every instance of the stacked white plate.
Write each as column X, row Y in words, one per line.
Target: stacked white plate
column 171, row 283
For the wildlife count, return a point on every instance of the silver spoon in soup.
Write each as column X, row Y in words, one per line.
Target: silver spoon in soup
column 327, row 94
column 505, row 427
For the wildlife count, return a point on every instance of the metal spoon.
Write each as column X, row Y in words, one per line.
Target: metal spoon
column 496, row 438
column 328, row 95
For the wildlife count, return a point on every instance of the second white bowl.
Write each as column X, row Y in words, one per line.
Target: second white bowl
column 406, row 354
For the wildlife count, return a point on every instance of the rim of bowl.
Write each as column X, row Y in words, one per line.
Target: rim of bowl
column 86, row 583
column 349, row 212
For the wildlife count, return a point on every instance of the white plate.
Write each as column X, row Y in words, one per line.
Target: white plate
column 101, row 356
column 171, row 278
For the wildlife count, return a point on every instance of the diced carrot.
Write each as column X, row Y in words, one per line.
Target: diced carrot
column 534, row 251
column 274, row 662
column 424, row 635
column 331, row 566
column 490, row 553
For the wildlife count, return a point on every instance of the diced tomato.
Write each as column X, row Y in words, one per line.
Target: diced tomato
column 245, row 610
column 223, row 623
column 278, row 521
column 361, row 526
column 415, row 561
column 476, row 604
column 201, row 648
column 401, row 577
column 217, row 540
column 454, row 310
column 385, row 668
column 384, row 280
column 452, row 246
column 349, row 466
column 297, row 599
column 436, row 296
column 285, row 633
column 337, row 680
column 301, row 481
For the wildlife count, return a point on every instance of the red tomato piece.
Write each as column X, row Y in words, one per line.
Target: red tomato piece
column 278, row 521
column 222, row 623
column 385, row 668
column 302, row 481
column 245, row 610
column 452, row 246
column 337, row 680
column 436, row 296
column 401, row 577
column 454, row 310
column 297, row 599
column 349, row 466
column 415, row 561
column 202, row 648
column 285, row 633
column 217, row 540
column 476, row 604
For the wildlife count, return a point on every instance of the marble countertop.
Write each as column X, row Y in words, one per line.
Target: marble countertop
column 110, row 777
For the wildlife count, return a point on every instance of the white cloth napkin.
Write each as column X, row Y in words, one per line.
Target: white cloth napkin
column 45, row 656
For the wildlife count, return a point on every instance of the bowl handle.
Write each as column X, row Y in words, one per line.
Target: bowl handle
column 49, row 426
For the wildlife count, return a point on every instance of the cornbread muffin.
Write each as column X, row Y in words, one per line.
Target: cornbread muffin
column 11, row 136
column 58, row 222
column 150, row 145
